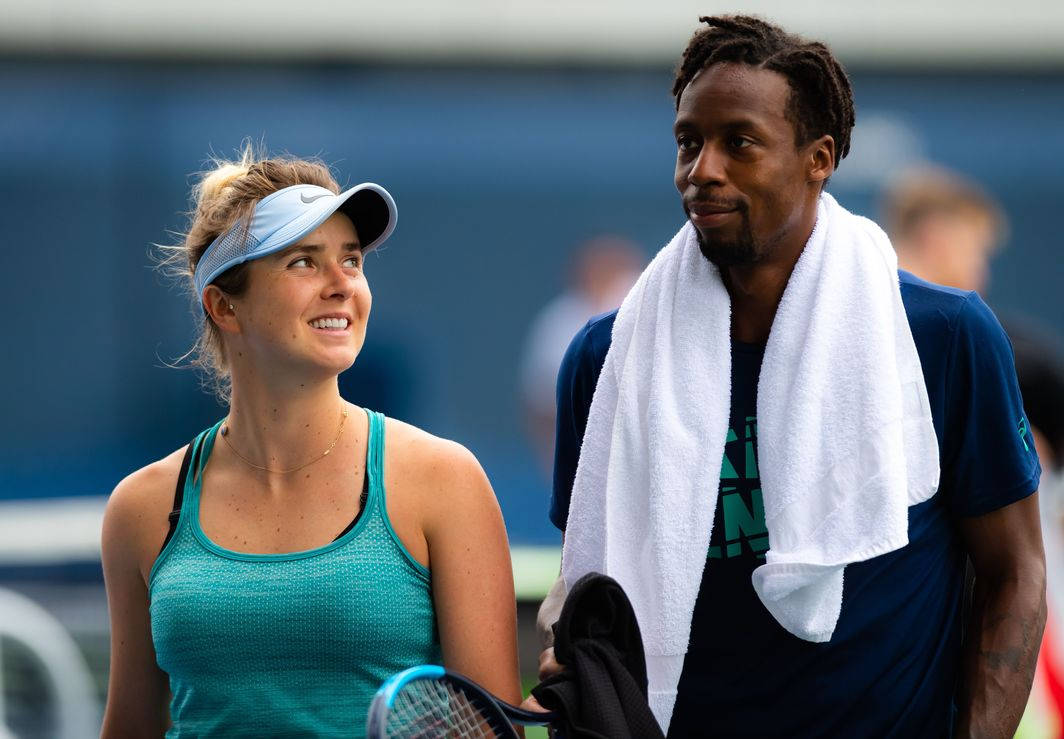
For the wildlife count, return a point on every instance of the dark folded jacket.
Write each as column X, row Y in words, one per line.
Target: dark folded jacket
column 602, row 692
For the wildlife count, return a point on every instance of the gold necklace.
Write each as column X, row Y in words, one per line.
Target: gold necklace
column 224, row 431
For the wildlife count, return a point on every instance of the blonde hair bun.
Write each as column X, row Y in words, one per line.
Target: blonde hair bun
column 221, row 177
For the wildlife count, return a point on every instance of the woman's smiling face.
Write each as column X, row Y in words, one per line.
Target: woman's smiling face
column 306, row 307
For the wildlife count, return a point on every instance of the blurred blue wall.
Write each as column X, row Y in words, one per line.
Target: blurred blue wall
column 497, row 174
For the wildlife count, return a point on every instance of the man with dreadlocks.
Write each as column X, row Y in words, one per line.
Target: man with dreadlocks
column 786, row 451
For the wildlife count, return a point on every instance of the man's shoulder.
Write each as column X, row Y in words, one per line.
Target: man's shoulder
column 592, row 342
column 600, row 327
column 935, row 311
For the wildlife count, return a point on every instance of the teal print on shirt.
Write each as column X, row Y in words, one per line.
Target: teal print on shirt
column 1021, row 429
column 741, row 504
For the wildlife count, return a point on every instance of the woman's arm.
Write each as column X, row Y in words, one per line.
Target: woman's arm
column 472, row 579
column 137, row 689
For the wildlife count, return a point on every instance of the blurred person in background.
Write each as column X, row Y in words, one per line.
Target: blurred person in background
column 274, row 572
column 944, row 227
column 1040, row 369
column 600, row 274
column 726, row 476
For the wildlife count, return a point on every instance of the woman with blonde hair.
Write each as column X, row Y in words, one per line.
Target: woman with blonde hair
column 272, row 573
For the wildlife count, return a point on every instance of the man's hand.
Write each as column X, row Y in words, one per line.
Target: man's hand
column 545, row 620
column 531, row 704
column 549, row 611
column 548, row 665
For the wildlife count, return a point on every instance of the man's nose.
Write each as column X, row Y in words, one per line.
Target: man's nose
column 708, row 167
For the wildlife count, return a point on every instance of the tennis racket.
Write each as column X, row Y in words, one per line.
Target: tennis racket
column 429, row 702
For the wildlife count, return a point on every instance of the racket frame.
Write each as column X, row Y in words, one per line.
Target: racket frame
column 377, row 719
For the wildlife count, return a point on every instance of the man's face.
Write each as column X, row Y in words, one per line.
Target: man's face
column 743, row 181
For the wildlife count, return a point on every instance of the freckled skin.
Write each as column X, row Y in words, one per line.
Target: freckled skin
column 283, row 299
column 322, row 274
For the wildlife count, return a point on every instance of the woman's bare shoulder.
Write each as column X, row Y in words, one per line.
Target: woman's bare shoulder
column 136, row 515
column 435, row 478
column 150, row 484
column 423, row 454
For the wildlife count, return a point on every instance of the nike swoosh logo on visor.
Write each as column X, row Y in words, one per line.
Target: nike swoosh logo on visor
column 312, row 198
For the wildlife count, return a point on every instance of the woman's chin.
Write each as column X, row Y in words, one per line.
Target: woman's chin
column 339, row 361
column 322, row 367
column 335, row 368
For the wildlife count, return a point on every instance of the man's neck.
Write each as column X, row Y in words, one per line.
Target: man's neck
column 755, row 294
column 756, row 289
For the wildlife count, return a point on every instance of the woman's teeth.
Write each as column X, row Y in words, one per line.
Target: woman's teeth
column 329, row 323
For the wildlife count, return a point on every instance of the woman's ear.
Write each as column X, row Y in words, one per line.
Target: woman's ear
column 220, row 308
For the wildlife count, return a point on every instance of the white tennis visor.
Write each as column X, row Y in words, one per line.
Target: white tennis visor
column 284, row 217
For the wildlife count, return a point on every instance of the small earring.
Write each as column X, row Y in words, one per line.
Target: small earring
column 230, row 306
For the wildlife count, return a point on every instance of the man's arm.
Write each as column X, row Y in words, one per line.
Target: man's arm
column 548, row 614
column 549, row 611
column 1007, row 618
column 577, row 377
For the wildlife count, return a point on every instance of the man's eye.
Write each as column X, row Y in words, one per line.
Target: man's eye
column 685, row 143
column 740, row 142
column 353, row 262
column 301, row 262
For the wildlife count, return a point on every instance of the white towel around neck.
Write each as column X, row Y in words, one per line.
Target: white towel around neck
column 845, row 438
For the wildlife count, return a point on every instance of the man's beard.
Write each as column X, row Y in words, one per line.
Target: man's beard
column 741, row 250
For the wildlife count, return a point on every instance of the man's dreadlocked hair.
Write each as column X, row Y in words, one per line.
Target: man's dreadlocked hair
column 821, row 99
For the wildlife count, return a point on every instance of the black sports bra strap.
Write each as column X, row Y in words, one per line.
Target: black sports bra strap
column 362, row 499
column 179, row 493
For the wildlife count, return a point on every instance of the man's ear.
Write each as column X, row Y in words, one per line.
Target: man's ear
column 219, row 307
column 821, row 159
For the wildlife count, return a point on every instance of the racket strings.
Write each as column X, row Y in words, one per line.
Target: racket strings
column 433, row 709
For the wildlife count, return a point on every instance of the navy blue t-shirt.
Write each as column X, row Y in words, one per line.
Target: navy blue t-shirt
column 892, row 665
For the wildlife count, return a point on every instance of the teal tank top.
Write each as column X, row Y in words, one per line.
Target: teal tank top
column 291, row 644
